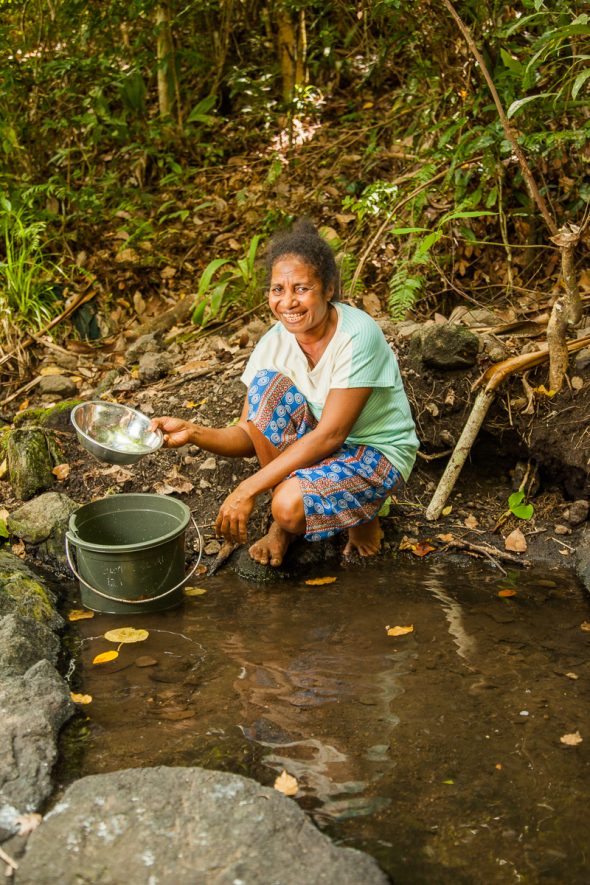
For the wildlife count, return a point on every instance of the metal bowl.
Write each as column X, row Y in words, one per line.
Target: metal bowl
column 114, row 433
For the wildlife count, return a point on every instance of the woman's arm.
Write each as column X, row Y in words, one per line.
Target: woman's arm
column 233, row 442
column 343, row 407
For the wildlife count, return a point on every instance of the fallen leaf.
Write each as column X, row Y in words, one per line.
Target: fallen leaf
column 105, row 657
column 24, row 405
column 126, row 634
column 516, row 542
column 81, row 698
column 61, row 471
column 499, row 766
column 585, row 626
column 316, row 582
column 422, row 548
column 577, row 382
column 470, row 522
column 542, row 390
column 79, row 614
column 194, row 591
column 286, row 784
column 28, row 822
column 19, row 549
column 572, row 675
column 50, row 370
column 446, row 510
column 571, row 740
column 399, row 631
column 446, row 538
column 506, row 592
column 192, row 366
column 119, row 474
column 407, row 543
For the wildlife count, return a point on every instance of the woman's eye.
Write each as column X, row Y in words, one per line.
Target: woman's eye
column 302, row 290
column 275, row 290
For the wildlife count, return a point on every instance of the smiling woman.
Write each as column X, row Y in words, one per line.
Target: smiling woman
column 325, row 412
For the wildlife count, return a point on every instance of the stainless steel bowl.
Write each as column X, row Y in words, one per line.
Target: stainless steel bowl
column 115, row 433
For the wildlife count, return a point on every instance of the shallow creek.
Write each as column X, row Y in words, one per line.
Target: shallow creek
column 438, row 751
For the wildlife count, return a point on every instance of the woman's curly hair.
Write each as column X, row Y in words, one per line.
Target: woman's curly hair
column 304, row 241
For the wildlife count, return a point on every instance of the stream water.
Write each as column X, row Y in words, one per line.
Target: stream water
column 438, row 751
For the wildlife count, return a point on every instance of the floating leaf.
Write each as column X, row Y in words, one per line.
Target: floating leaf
column 194, row 591
column 286, row 784
column 126, row 634
column 81, row 698
column 506, row 592
column 399, row 631
column 572, row 675
column 79, row 614
column 105, row 657
column 316, row 582
column 571, row 740
column 585, row 626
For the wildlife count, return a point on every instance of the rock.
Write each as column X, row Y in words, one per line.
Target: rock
column 495, row 349
column 445, row 346
column 44, row 521
column 55, row 417
column 126, row 385
column 212, row 548
column 582, row 557
column 144, row 344
column 577, row 512
column 582, row 359
column 22, row 643
column 153, row 366
column 58, row 385
column 477, row 318
column 181, row 826
column 33, row 707
column 23, row 593
column 29, row 462
column 208, row 464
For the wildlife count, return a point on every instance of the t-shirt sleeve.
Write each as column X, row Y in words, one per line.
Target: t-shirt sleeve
column 365, row 359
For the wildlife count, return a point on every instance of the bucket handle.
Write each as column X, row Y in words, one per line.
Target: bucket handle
column 136, row 601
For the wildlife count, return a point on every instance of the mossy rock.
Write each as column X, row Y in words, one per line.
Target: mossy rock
column 23, row 593
column 55, row 417
column 32, row 453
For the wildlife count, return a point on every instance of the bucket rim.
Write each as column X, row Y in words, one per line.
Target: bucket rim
column 93, row 546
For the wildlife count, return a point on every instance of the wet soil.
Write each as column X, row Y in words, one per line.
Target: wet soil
column 439, row 751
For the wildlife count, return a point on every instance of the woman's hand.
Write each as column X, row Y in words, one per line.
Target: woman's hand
column 177, row 432
column 233, row 516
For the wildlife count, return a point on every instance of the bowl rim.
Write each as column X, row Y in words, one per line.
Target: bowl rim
column 123, row 407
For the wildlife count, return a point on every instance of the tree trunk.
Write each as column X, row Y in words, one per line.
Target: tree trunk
column 167, row 80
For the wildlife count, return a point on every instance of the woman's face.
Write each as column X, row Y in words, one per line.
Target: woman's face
column 296, row 296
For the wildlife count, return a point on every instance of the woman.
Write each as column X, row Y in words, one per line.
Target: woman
column 325, row 412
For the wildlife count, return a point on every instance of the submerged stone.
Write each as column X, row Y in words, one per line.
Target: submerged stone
column 181, row 826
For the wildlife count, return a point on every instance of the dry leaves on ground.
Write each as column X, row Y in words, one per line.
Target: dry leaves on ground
column 418, row 548
column 174, row 483
column 61, row 472
column 515, row 542
column 286, row 784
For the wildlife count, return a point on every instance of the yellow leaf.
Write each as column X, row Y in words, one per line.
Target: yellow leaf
column 585, row 626
column 447, row 538
column 399, row 631
column 422, row 548
column 446, row 510
column 24, row 405
column 126, row 634
column 61, row 471
column 571, row 740
column 81, row 698
column 286, row 784
column 543, row 391
column 79, row 614
column 316, row 582
column 506, row 592
column 105, row 656
column 194, row 591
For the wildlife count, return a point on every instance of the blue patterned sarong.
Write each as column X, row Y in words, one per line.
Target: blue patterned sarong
column 339, row 492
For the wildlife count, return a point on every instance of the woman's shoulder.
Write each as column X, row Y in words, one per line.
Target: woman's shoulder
column 357, row 323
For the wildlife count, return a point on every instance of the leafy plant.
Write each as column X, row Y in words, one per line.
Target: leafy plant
column 28, row 294
column 225, row 282
column 518, row 507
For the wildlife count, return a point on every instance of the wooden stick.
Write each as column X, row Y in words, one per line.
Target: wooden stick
column 8, row 860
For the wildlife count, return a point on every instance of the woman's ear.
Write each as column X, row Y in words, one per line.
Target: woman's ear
column 330, row 292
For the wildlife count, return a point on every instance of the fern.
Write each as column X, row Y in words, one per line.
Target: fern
column 404, row 291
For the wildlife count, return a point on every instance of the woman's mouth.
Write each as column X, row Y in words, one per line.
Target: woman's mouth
column 292, row 317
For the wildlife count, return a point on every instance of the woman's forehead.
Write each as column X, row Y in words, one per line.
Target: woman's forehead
column 292, row 265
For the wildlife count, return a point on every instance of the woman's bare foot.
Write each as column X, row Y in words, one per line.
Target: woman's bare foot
column 365, row 539
column 271, row 548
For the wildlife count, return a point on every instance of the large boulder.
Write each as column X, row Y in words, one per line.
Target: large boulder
column 44, row 521
column 33, row 707
column 184, row 826
column 445, row 346
column 30, row 461
column 24, row 594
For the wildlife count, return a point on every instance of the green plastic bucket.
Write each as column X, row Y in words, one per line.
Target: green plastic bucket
column 129, row 552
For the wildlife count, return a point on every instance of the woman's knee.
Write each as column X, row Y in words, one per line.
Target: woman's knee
column 287, row 507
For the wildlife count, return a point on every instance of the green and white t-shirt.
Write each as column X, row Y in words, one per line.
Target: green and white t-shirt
column 357, row 356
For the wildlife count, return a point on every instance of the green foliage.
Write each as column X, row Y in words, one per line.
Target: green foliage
column 28, row 294
column 517, row 506
column 226, row 282
column 404, row 290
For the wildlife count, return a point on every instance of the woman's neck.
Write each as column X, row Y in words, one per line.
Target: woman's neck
column 314, row 343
